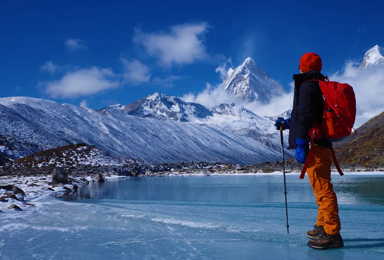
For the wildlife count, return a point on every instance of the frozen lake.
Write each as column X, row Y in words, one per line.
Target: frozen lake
column 197, row 217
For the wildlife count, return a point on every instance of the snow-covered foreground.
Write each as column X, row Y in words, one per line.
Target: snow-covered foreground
column 197, row 217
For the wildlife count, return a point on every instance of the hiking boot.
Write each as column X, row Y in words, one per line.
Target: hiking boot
column 317, row 233
column 327, row 241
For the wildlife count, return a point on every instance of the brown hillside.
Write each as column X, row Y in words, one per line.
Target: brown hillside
column 61, row 154
column 72, row 155
column 366, row 148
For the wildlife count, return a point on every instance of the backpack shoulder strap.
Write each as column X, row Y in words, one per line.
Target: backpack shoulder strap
column 336, row 163
column 309, row 158
column 305, row 167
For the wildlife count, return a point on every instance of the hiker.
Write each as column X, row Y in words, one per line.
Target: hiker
column 307, row 108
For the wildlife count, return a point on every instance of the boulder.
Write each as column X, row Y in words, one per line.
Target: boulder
column 7, row 187
column 15, row 207
column 60, row 177
column 17, row 190
column 99, row 177
column 14, row 188
column 12, row 196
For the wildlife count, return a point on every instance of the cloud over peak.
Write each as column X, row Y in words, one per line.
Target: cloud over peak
column 183, row 44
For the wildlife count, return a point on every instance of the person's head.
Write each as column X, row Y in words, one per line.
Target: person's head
column 310, row 61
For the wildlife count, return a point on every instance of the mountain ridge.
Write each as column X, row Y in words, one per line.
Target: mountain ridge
column 225, row 138
column 366, row 147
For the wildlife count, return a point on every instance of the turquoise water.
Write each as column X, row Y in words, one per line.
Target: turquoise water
column 196, row 217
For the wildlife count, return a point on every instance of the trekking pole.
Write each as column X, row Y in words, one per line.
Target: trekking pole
column 285, row 185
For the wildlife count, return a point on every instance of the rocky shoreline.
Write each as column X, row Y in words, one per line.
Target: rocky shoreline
column 17, row 191
column 138, row 169
column 20, row 185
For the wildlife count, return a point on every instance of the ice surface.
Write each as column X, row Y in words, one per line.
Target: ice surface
column 197, row 217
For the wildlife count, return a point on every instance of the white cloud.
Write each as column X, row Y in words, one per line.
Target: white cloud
column 75, row 44
column 212, row 96
column 276, row 106
column 49, row 67
column 368, row 85
column 167, row 82
column 182, row 45
column 82, row 82
column 222, row 69
column 135, row 72
column 84, row 103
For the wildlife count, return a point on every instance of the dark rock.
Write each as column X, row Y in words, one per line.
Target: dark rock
column 100, row 178
column 15, row 207
column 60, row 177
column 17, row 190
column 12, row 196
column 268, row 170
column 7, row 187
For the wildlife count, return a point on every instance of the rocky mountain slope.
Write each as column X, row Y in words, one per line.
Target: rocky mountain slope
column 69, row 156
column 365, row 148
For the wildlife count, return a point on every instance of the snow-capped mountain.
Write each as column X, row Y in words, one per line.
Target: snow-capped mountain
column 163, row 107
column 373, row 56
column 250, row 83
column 227, row 133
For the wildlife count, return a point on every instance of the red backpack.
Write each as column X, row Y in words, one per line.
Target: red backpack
column 338, row 118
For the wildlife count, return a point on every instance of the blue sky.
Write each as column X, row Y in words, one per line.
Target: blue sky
column 99, row 53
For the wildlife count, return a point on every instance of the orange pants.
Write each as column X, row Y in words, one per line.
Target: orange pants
column 319, row 174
